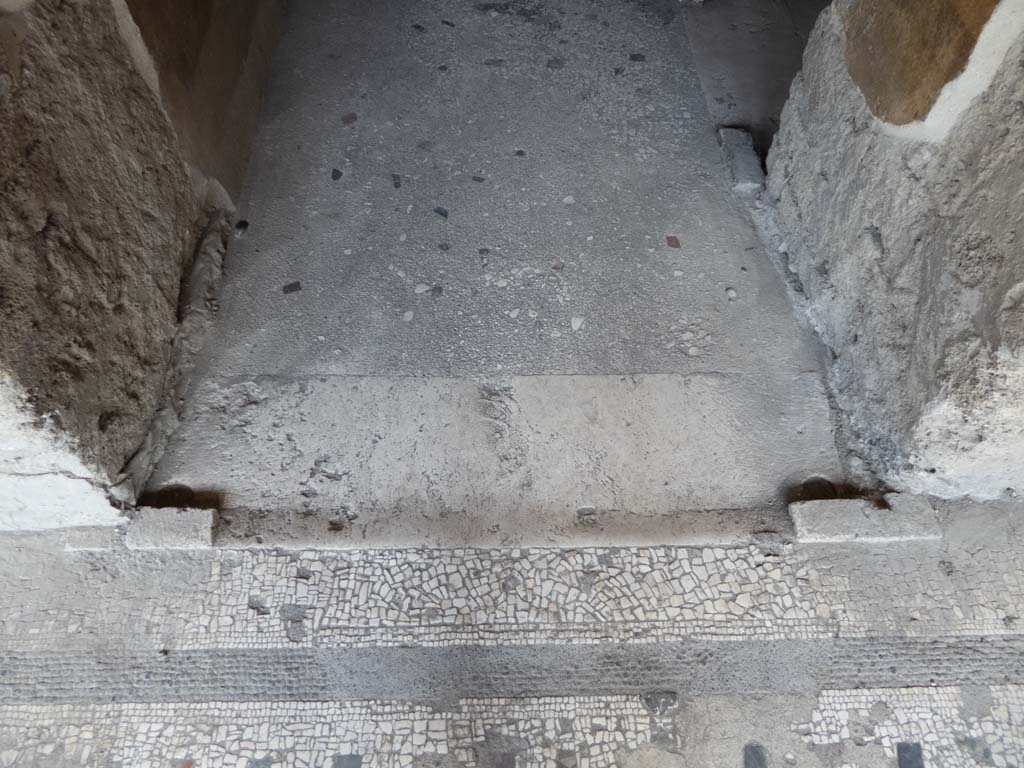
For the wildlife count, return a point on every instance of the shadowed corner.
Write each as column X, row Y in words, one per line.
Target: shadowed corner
column 819, row 488
column 182, row 497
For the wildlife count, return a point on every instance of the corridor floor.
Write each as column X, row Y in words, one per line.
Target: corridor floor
column 495, row 288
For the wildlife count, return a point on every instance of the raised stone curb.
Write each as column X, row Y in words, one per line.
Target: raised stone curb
column 170, row 529
column 860, row 520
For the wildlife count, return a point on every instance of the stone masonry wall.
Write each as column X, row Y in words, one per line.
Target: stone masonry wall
column 911, row 257
column 98, row 219
column 113, row 225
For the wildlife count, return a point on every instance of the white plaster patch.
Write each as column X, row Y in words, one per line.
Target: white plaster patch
column 978, row 451
column 43, row 483
column 1004, row 27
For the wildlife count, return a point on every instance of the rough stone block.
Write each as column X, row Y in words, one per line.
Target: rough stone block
column 838, row 520
column 742, row 160
column 171, row 529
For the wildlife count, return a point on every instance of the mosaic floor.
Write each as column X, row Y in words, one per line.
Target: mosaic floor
column 768, row 653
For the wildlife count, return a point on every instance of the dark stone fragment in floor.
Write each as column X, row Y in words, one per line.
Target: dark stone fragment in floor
column 293, row 612
column 335, row 174
column 396, row 181
column 754, row 756
column 258, row 604
column 771, row 543
column 374, row 325
column 525, row 11
column 660, row 702
column 908, row 755
column 672, row 242
column 637, row 57
column 499, row 750
column 348, row 118
column 619, row 70
column 494, row 62
column 292, row 287
column 437, row 291
column 444, row 246
column 586, row 516
column 979, row 751
column 976, row 701
column 447, row 23
column 294, row 617
column 419, row 27
column 441, row 211
column 556, row 63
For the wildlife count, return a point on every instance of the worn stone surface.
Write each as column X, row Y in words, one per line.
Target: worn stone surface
column 554, row 658
column 520, row 460
column 97, row 220
column 862, row 520
column 966, row 584
column 500, row 287
column 170, row 528
column 910, row 258
column 867, row 727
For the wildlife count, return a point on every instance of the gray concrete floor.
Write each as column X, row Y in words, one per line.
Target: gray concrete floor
column 495, row 289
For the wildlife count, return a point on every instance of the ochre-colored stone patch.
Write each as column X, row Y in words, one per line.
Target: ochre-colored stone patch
column 901, row 53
